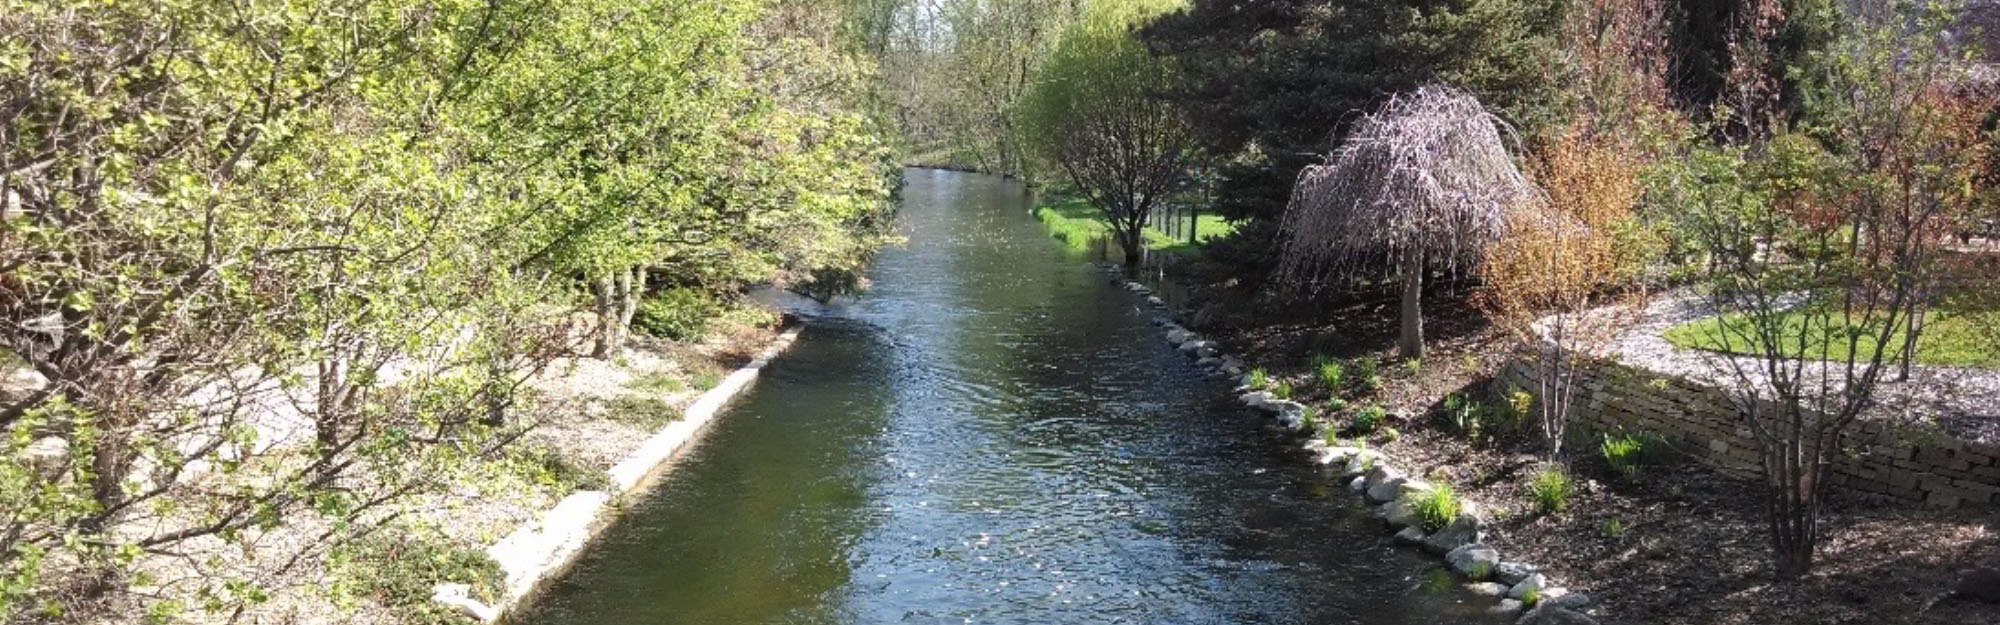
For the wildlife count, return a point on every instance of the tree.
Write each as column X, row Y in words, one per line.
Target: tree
column 1426, row 182
column 1270, row 84
column 1095, row 112
column 1549, row 280
column 1823, row 243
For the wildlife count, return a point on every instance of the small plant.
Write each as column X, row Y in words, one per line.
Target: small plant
column 1367, row 376
column 1309, row 419
column 1282, row 389
column 1259, row 379
column 1614, row 528
column 1437, row 508
column 1551, row 489
column 1413, row 366
column 1518, row 404
column 1329, row 374
column 1480, row 570
column 398, row 568
column 1367, row 419
column 1331, row 436
column 1622, row 453
column 1389, row 435
column 1462, row 414
column 1531, row 597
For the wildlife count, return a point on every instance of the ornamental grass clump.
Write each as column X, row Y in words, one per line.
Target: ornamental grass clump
column 1437, row 508
column 1551, row 490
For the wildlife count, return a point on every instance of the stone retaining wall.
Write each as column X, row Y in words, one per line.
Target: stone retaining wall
column 1881, row 461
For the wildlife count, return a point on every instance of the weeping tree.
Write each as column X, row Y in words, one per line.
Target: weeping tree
column 1095, row 113
column 1424, row 183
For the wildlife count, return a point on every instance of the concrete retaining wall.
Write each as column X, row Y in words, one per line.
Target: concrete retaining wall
column 1881, row 461
column 545, row 548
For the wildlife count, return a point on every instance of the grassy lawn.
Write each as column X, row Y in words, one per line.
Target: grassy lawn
column 1074, row 221
column 1951, row 336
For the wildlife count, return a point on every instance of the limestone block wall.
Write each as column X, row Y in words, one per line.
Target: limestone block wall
column 1881, row 461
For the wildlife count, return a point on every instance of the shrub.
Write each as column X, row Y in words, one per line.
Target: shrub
column 1614, row 528
column 1309, row 418
column 1329, row 374
column 680, row 314
column 1282, row 389
column 1369, row 418
column 1436, row 508
column 1389, row 435
column 1413, row 366
column 1551, row 489
column 1622, row 453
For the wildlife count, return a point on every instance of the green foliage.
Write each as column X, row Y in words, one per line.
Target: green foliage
column 1551, row 489
column 1520, row 405
column 658, row 382
column 1369, row 418
column 1259, row 378
column 398, row 568
column 1282, row 389
column 680, row 314
column 1614, row 529
column 1462, row 414
column 1329, row 373
column 1368, row 375
column 1094, row 113
column 1437, row 508
column 1285, row 76
column 1413, row 366
column 545, row 467
column 1623, row 454
column 1390, row 434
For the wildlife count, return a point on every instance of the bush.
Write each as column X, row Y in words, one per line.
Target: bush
column 1282, row 389
column 1623, row 453
column 1551, row 489
column 1519, row 405
column 1329, row 374
column 1369, row 418
column 679, row 314
column 1436, row 508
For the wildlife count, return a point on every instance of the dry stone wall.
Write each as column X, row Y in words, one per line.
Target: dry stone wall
column 1881, row 461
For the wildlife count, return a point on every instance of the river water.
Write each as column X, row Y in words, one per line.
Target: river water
column 994, row 434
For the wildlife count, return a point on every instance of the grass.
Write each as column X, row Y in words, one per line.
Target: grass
column 1437, row 508
column 1951, row 336
column 1072, row 220
column 1551, row 490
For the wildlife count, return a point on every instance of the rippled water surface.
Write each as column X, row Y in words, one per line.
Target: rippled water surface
column 993, row 434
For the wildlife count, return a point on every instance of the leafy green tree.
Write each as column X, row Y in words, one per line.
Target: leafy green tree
column 1096, row 115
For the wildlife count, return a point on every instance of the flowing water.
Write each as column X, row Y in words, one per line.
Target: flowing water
column 994, row 434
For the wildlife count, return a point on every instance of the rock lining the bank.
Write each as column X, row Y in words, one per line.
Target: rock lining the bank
column 1519, row 588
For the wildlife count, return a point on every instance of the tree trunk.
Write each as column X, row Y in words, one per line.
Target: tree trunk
column 1412, row 343
column 1130, row 238
column 607, row 317
column 628, row 304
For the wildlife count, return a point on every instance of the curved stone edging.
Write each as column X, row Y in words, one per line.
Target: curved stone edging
column 1379, row 484
column 544, row 548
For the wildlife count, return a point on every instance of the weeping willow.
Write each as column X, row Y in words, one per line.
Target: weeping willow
column 1425, row 182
